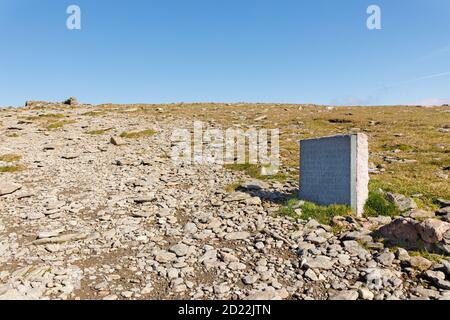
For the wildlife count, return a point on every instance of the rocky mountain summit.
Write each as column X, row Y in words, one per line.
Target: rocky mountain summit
column 93, row 207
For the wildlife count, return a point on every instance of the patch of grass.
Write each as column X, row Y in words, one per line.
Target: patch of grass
column 233, row 187
column 137, row 134
column 12, row 135
column 97, row 132
column 437, row 258
column 288, row 209
column 402, row 147
column 254, row 171
column 59, row 124
column 10, row 157
column 410, row 187
column 340, row 121
column 322, row 214
column 46, row 116
column 93, row 113
column 378, row 205
column 16, row 168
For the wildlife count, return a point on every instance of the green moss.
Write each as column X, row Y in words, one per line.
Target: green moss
column 378, row 205
column 138, row 134
column 323, row 214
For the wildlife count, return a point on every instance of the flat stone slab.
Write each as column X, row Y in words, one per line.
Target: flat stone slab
column 8, row 188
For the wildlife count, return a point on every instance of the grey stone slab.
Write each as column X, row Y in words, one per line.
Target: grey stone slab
column 334, row 170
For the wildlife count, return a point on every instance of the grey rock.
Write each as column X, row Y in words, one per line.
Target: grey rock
column 403, row 203
column 319, row 262
column 165, row 257
column 61, row 239
column 311, row 275
column 209, row 257
column 180, row 249
column 343, row 295
column 144, row 199
column 8, row 188
column 438, row 279
column 385, row 258
column 444, row 202
column 236, row 196
column 402, row 255
column 117, row 141
column 190, row 228
column 236, row 266
column 419, row 263
column 254, row 184
column 266, row 295
column 443, row 211
column 241, row 235
column 250, row 279
column 365, row 294
column 70, row 156
column 221, row 289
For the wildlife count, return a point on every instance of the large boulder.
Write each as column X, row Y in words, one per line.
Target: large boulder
column 400, row 230
column 432, row 230
column 430, row 234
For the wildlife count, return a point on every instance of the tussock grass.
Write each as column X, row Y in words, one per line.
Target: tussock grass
column 12, row 135
column 6, row 169
column 93, row 113
column 46, row 116
column 322, row 214
column 58, row 124
column 10, row 157
column 378, row 205
column 138, row 134
column 233, row 187
column 437, row 258
column 97, row 132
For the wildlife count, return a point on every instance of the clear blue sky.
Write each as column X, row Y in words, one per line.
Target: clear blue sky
column 316, row 51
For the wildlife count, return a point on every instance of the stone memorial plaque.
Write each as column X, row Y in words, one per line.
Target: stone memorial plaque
column 335, row 170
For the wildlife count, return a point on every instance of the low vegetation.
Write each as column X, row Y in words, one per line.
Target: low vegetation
column 52, row 125
column 93, row 113
column 437, row 258
column 138, row 134
column 254, row 171
column 233, row 187
column 98, row 132
column 46, row 116
column 10, row 158
column 12, row 135
column 378, row 205
column 16, row 168
column 309, row 210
